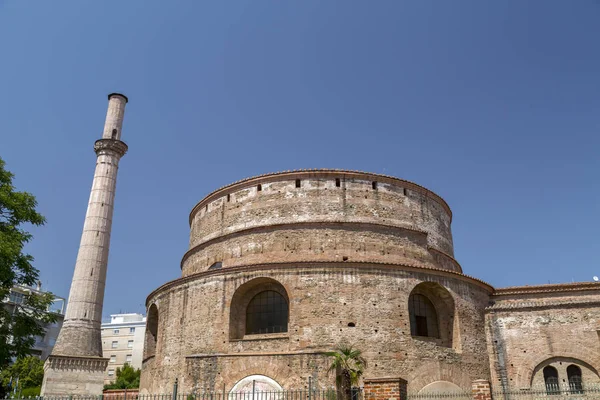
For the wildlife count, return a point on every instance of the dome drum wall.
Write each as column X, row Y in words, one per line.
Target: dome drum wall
column 317, row 242
column 364, row 304
column 362, row 203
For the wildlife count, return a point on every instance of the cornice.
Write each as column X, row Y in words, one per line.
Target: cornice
column 310, row 173
column 300, row 225
column 328, row 264
column 549, row 288
column 529, row 305
column 444, row 254
column 73, row 362
column 110, row 146
column 258, row 354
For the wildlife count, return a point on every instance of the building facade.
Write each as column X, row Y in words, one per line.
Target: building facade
column 43, row 344
column 283, row 267
column 123, row 342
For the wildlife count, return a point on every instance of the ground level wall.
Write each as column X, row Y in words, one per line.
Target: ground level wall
column 194, row 344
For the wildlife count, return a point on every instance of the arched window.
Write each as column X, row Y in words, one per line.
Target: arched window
column 423, row 317
column 551, row 380
column 575, row 382
column 260, row 305
column 267, row 312
column 151, row 332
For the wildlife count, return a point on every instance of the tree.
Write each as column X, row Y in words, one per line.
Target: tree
column 20, row 324
column 348, row 365
column 25, row 373
column 127, row 378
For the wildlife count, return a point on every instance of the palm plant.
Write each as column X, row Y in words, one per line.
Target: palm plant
column 348, row 365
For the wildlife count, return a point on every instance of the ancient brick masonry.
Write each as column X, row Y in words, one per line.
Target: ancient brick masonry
column 322, row 257
column 345, row 250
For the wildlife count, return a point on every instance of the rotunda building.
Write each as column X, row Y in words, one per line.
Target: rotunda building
column 283, row 267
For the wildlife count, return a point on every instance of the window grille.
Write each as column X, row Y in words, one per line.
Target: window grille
column 575, row 381
column 267, row 312
column 551, row 380
column 423, row 317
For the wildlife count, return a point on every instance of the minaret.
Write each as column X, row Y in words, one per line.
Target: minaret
column 76, row 365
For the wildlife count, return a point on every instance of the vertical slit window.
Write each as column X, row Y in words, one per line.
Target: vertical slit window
column 337, row 182
column 374, row 185
column 298, row 183
column 259, row 188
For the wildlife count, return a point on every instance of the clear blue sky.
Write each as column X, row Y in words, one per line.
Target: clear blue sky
column 495, row 106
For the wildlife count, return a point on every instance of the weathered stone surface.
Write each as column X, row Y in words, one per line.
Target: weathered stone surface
column 347, row 250
column 347, row 259
column 79, row 337
column 529, row 328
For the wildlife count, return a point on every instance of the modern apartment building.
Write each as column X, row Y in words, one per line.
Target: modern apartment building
column 43, row 344
column 123, row 342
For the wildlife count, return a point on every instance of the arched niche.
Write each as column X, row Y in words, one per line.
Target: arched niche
column 151, row 335
column 441, row 387
column 255, row 293
column 256, row 383
column 565, row 367
column 431, row 311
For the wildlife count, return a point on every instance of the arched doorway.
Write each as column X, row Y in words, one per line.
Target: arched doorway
column 262, row 386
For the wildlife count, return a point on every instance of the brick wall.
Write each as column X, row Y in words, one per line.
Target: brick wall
column 386, row 389
column 481, row 390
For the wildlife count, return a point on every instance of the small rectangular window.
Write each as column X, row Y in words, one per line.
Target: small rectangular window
column 115, row 331
column 259, row 188
column 114, row 344
column 128, row 358
column 129, row 344
column 131, row 330
column 111, row 372
column 337, row 182
column 228, row 197
column 113, row 358
column 405, row 192
column 374, row 184
column 297, row 183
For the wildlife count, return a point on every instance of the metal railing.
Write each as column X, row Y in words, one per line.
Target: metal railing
column 299, row 394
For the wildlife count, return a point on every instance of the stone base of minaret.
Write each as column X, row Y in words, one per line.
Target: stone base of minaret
column 72, row 376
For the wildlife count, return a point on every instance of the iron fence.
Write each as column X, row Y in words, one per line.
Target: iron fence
column 572, row 391
column 453, row 395
column 300, row 394
column 550, row 392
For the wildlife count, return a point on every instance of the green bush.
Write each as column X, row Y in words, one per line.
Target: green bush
column 127, row 378
column 31, row 392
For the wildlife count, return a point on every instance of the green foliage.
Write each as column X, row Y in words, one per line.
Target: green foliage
column 18, row 325
column 127, row 378
column 31, row 392
column 28, row 370
column 348, row 365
